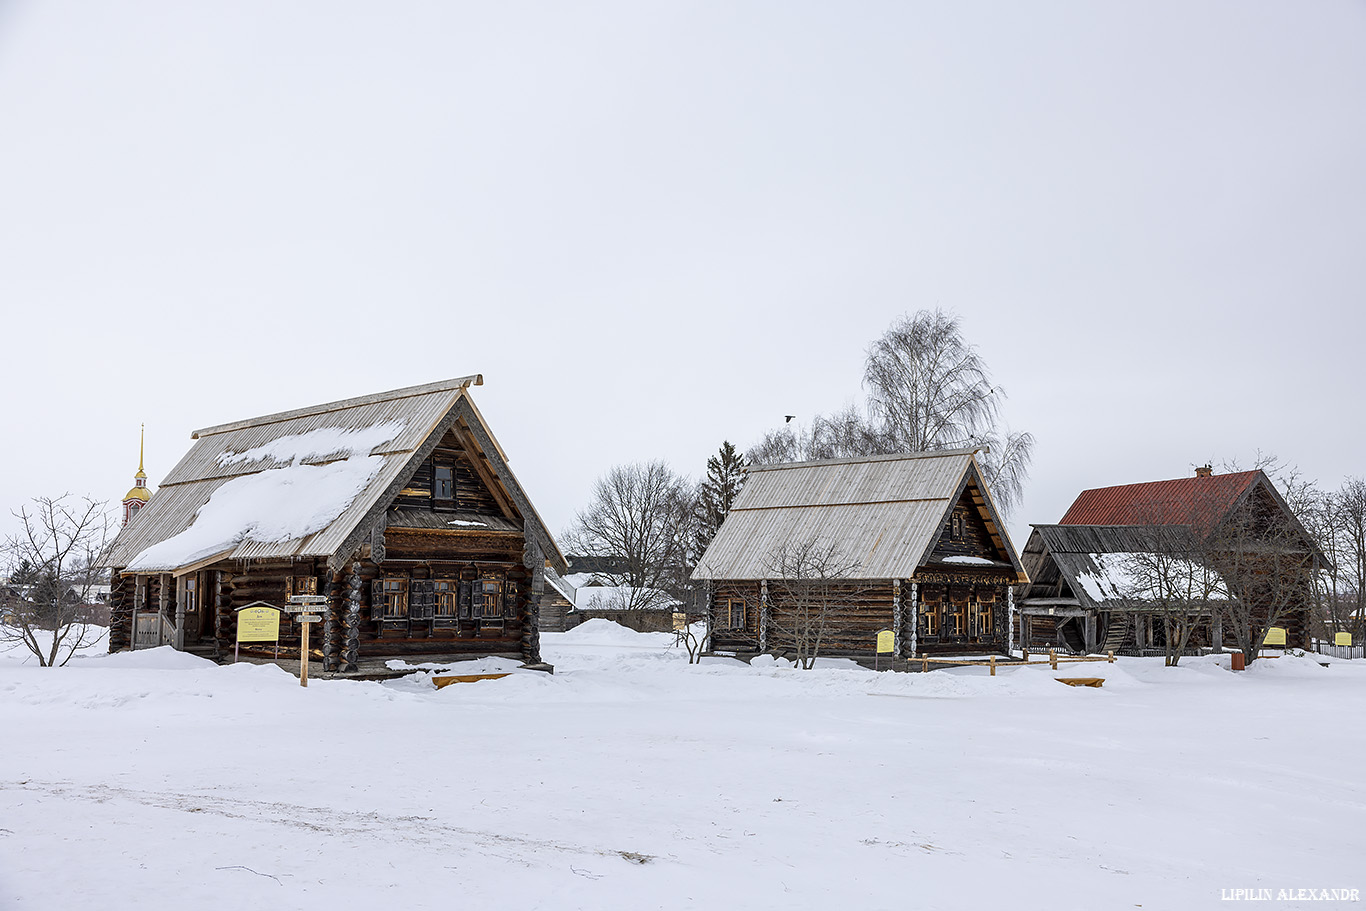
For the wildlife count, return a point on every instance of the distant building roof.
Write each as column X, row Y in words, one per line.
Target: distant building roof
column 1199, row 502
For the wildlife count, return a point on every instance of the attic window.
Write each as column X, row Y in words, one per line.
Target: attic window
column 956, row 528
column 443, row 484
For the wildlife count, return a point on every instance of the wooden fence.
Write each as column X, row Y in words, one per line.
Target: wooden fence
column 1052, row 661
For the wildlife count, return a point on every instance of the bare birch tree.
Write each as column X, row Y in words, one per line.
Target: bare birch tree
column 641, row 516
column 809, row 579
column 61, row 540
column 1175, row 584
column 1268, row 565
column 1350, row 505
column 927, row 389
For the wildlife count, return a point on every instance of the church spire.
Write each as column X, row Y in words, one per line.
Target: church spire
column 137, row 497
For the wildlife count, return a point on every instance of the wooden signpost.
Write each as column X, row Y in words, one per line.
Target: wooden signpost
column 1342, row 639
column 257, row 622
column 304, row 604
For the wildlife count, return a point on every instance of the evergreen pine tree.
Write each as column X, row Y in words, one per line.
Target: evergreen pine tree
column 726, row 473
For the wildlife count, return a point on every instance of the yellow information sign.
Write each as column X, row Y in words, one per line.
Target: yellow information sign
column 886, row 642
column 1342, row 639
column 258, row 624
column 1275, row 636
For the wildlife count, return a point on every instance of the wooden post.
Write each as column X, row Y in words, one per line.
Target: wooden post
column 1053, row 658
column 350, row 653
column 303, row 654
column 924, row 664
column 1026, row 654
column 915, row 617
column 220, row 609
column 896, row 619
column 993, row 665
column 763, row 615
column 1010, row 620
column 330, row 627
column 533, row 558
column 1111, row 656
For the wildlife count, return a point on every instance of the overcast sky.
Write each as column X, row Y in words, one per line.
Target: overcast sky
column 655, row 226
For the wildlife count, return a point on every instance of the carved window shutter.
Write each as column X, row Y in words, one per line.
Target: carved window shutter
column 289, row 587
column 422, row 595
column 509, row 600
column 377, row 603
column 466, row 599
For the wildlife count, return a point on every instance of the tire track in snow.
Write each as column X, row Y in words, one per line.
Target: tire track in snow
column 415, row 830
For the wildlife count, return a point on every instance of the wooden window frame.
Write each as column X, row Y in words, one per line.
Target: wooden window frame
column 488, row 599
column 187, row 593
column 439, row 501
column 446, row 603
column 301, row 585
column 929, row 612
column 736, row 608
column 956, row 528
column 395, row 606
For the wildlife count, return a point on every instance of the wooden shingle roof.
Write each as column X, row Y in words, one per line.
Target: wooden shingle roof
column 885, row 512
column 405, row 425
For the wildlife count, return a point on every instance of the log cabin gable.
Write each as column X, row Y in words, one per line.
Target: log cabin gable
column 451, row 479
column 971, row 528
column 460, row 431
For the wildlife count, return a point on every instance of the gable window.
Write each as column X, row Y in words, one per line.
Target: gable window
column 443, row 484
column 956, row 528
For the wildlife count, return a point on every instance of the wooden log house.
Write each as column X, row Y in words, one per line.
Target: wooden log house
column 1083, row 595
column 923, row 550
column 398, row 507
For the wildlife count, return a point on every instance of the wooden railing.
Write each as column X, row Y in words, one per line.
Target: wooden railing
column 1052, row 660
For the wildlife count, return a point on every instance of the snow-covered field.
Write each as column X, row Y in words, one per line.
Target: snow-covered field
column 632, row 780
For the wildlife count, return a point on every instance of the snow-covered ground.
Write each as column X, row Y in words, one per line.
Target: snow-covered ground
column 632, row 780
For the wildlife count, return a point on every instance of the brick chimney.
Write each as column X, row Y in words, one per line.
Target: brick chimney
column 1204, row 471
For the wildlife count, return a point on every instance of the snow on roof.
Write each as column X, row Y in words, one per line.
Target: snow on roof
column 280, row 504
column 1149, row 578
column 341, row 442
column 301, row 483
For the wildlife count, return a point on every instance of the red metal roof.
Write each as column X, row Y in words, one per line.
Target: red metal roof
column 1184, row 501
